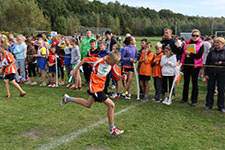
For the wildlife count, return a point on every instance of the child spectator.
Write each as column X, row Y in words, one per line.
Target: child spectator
column 128, row 57
column 12, row 45
column 75, row 60
column 42, row 61
column 102, row 49
column 157, row 72
column 168, row 63
column 145, row 70
column 52, row 66
column 32, row 63
column 9, row 68
column 20, row 52
column 93, row 52
column 116, row 47
column 67, row 59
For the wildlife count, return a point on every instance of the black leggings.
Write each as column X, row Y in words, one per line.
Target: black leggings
column 164, row 81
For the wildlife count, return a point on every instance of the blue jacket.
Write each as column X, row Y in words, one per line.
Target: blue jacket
column 102, row 53
column 127, row 53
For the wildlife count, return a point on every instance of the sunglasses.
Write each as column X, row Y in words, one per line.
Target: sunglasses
column 193, row 35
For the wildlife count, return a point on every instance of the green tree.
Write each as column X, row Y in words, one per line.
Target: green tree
column 19, row 16
column 73, row 24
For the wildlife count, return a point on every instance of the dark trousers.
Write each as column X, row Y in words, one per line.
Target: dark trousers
column 32, row 69
column 87, row 72
column 213, row 78
column 191, row 72
column 164, row 83
column 158, row 87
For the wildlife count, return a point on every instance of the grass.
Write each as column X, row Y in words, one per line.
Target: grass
column 36, row 119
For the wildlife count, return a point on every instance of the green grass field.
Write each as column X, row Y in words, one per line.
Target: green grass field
column 32, row 121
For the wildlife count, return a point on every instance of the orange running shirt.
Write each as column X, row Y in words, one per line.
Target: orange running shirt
column 8, row 59
column 100, row 70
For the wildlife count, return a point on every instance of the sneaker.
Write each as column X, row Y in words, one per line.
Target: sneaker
column 114, row 95
column 21, row 82
column 116, row 132
column 63, row 101
column 128, row 97
column 43, row 84
column 145, row 98
column 50, row 85
column 123, row 95
column 27, row 82
column 169, row 101
column 22, row 94
column 53, row 85
column 8, row 96
column 155, row 100
column 33, row 83
column 61, row 82
column 165, row 100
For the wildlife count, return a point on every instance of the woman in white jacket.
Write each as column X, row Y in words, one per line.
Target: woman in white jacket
column 168, row 63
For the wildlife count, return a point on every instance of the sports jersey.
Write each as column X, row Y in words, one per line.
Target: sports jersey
column 52, row 58
column 100, row 69
column 6, row 60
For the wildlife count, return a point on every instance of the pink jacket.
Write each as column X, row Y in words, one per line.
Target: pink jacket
column 198, row 62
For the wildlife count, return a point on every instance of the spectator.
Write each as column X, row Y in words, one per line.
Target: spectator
column 215, row 74
column 20, row 52
column 195, row 59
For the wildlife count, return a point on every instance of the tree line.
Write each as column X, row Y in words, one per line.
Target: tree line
column 67, row 16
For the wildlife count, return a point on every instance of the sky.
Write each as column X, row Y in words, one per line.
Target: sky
column 205, row 8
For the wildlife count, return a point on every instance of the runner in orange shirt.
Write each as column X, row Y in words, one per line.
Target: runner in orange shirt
column 9, row 68
column 100, row 68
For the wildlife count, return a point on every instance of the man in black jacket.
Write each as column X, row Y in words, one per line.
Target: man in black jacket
column 168, row 40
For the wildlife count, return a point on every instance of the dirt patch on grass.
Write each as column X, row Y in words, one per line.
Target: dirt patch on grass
column 97, row 148
column 34, row 134
column 219, row 126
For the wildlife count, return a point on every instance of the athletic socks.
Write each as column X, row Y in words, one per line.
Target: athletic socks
column 69, row 99
column 111, row 127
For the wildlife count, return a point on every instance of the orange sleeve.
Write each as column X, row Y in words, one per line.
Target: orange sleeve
column 142, row 55
column 149, row 58
column 158, row 58
column 91, row 60
column 116, row 70
column 11, row 59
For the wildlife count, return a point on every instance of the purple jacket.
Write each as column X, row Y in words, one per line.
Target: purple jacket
column 127, row 53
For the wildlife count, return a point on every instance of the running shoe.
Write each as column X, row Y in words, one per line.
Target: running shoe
column 22, row 94
column 8, row 96
column 64, row 101
column 116, row 132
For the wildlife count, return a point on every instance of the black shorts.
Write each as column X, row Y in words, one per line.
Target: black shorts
column 10, row 77
column 144, row 78
column 99, row 96
column 128, row 69
column 52, row 69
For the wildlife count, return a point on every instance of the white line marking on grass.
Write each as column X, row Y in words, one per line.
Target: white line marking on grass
column 73, row 135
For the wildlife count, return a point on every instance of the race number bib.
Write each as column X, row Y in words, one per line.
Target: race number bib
column 103, row 69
